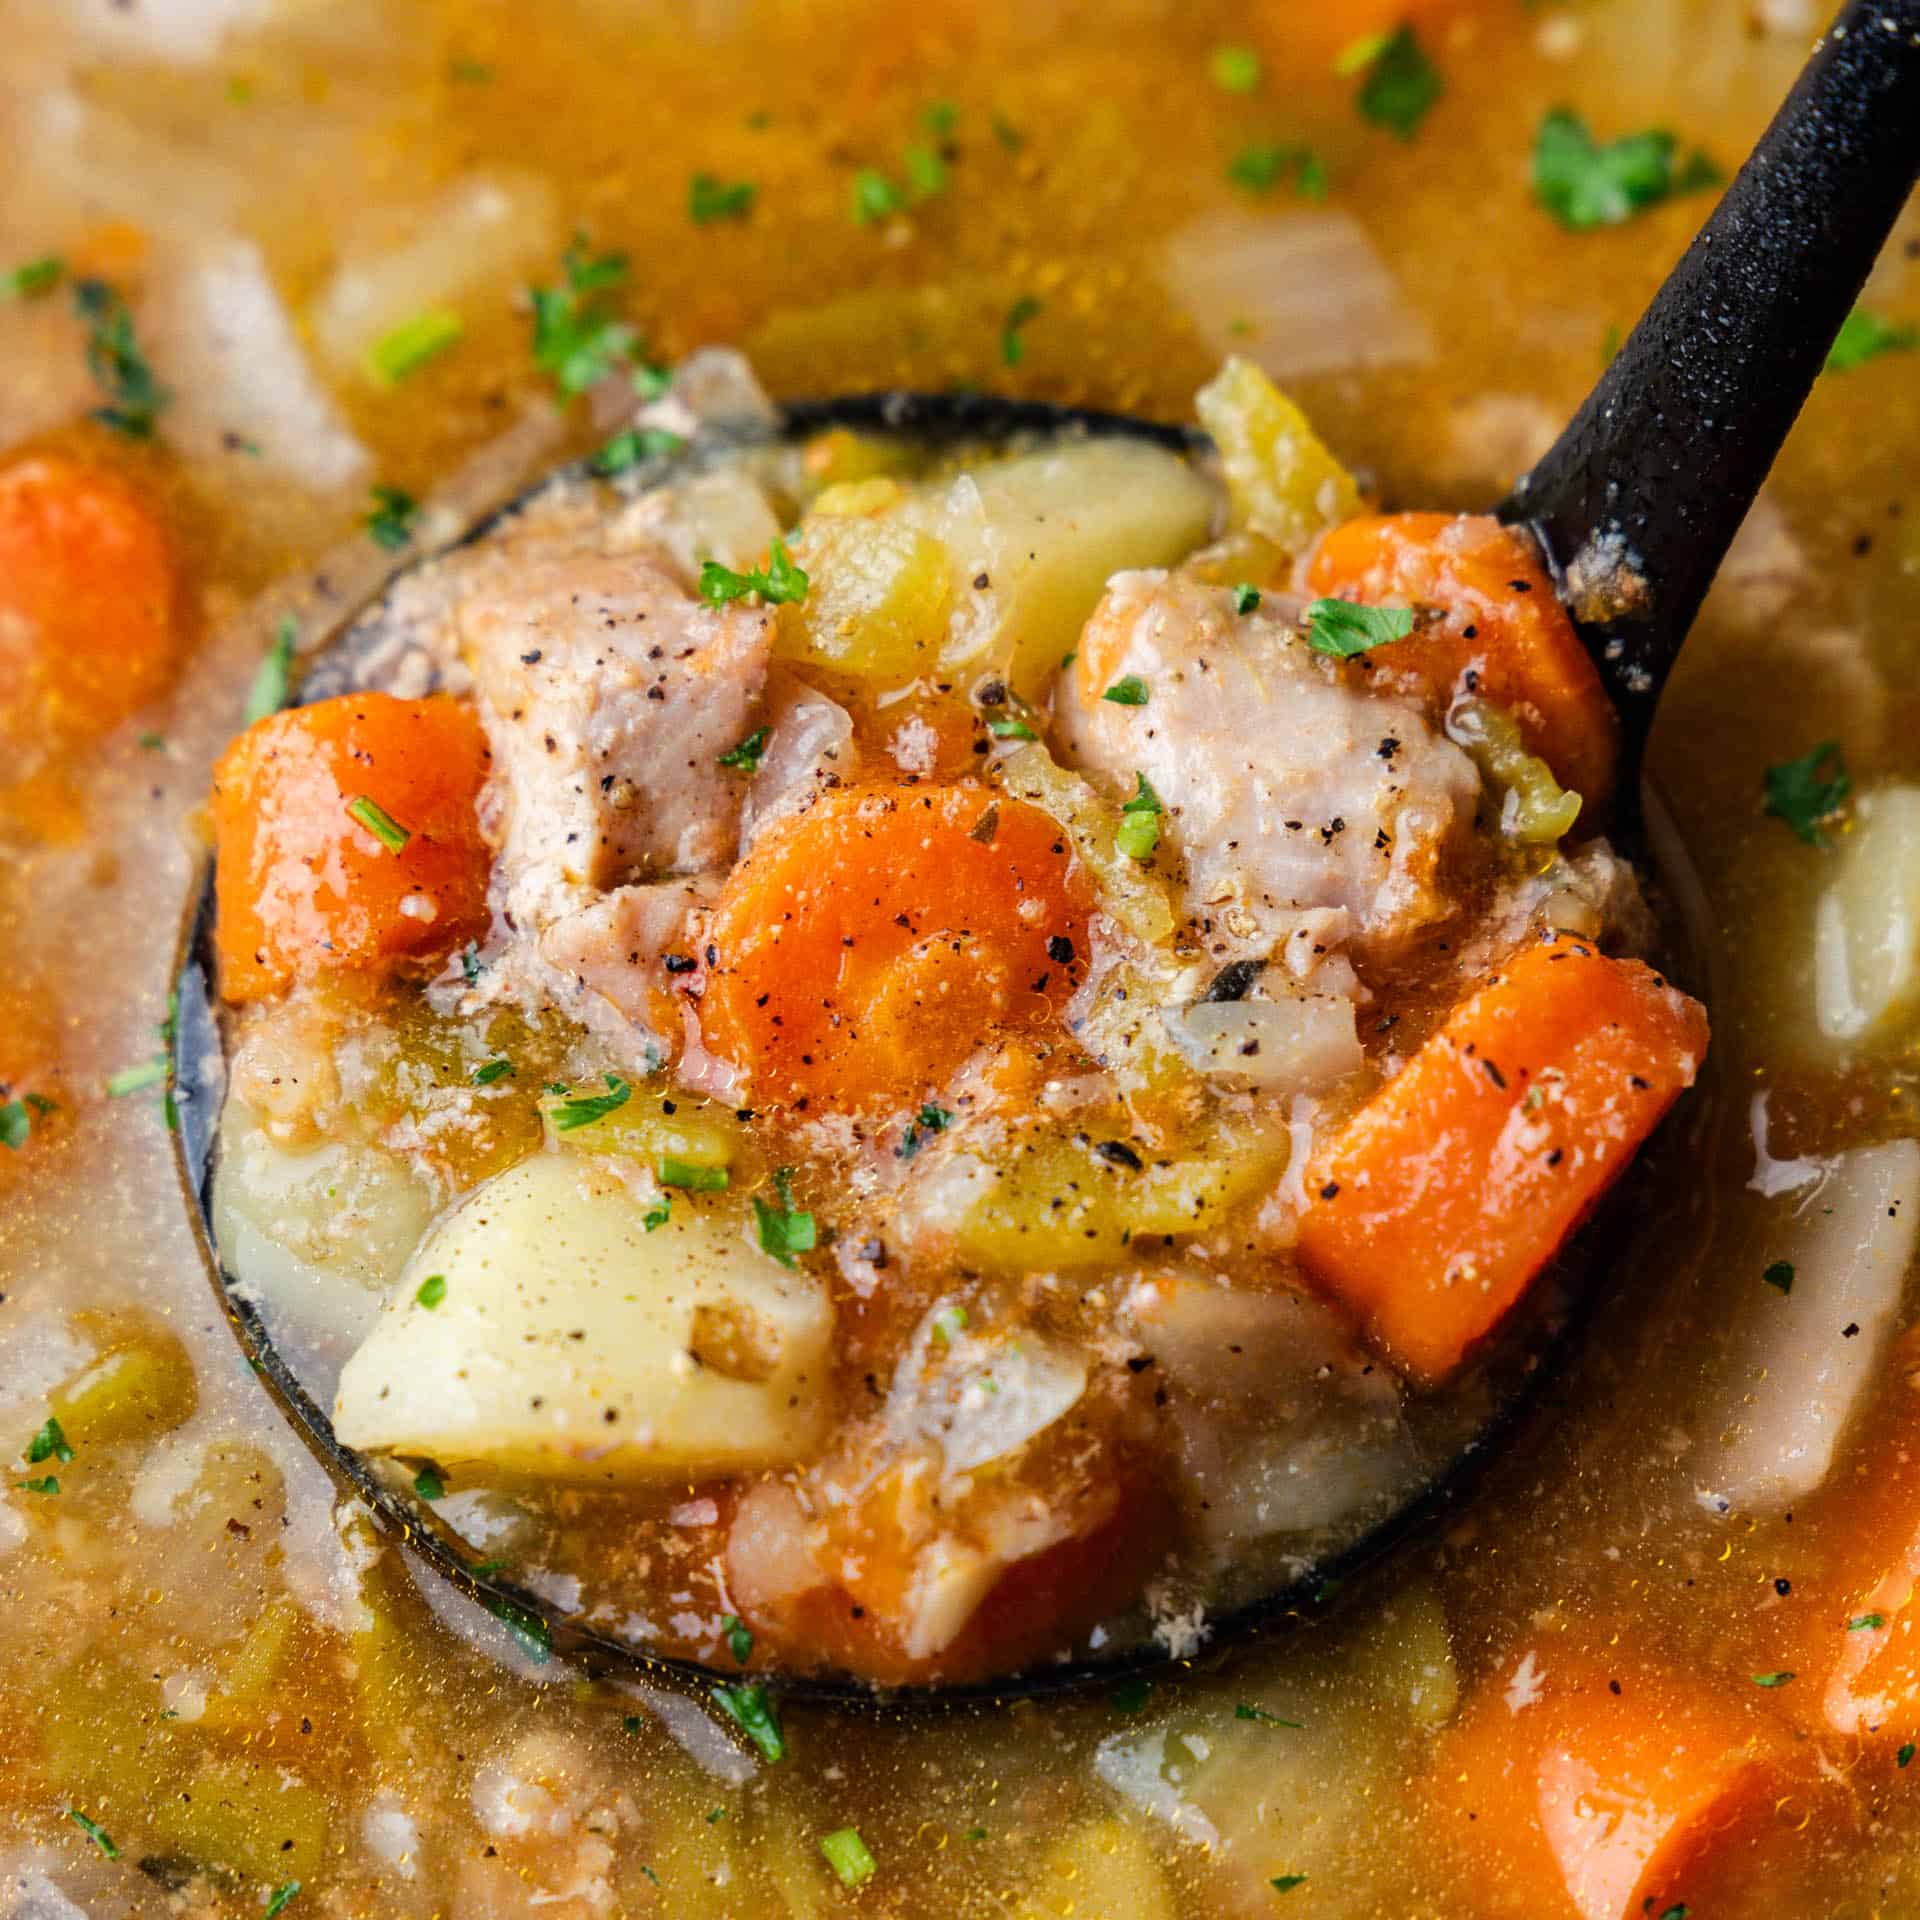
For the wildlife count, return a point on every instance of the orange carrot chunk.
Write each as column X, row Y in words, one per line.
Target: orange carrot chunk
column 1590, row 1791
column 90, row 602
column 867, row 946
column 1434, row 1206
column 1501, row 632
column 347, row 841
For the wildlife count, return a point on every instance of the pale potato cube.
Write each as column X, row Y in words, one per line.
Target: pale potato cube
column 1867, row 925
column 574, row 1342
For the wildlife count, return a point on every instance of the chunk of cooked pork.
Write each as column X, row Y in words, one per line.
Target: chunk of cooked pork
column 1289, row 790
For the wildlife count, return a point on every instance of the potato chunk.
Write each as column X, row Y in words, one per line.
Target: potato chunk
column 573, row 1342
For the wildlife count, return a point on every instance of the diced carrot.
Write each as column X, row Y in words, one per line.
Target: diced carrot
column 866, row 947
column 1502, row 632
column 1590, row 1788
column 305, row 885
column 1436, row 1204
column 91, row 601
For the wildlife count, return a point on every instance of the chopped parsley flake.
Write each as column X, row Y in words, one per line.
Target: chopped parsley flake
column 583, row 1111
column 926, row 171
column 1013, row 344
column 134, row 397
column 95, row 1832
column 689, row 1177
column 974, row 1833
column 849, row 1856
column 749, row 1708
column 485, row 1076
column 1343, row 628
column 33, row 279
column 50, row 1443
column 149, row 1073
column 431, row 1291
column 391, row 521
column 1905, row 1754
column 1286, row 1882
column 274, row 680
column 1864, row 336
column 780, row 583
column 1128, row 691
column 1245, row 598
column 633, row 445
column 930, row 1119
column 412, row 344
column 1130, row 1695
column 875, row 197
column 279, row 1899
column 1584, row 184
column 1678, row 1911
column 1780, row 1274
column 1246, row 1712
column 746, row 756
column 378, row 822
column 1261, row 168
column 531, row 1634
column 16, row 1124
column 1234, row 69
column 784, row 1229
column 1007, row 726
column 657, row 1215
column 1806, row 791
column 576, row 338
column 1779, row 1679
column 428, row 1484
column 739, row 1637
column 1867, row 1623
column 940, row 117
column 1402, row 84
column 1138, row 833
column 710, row 198
column 49, row 1485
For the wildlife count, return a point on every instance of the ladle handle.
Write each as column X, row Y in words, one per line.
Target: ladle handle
column 1638, row 500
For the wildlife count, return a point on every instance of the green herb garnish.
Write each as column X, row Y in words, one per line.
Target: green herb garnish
column 149, row 1073
column 1904, row 1755
column 94, row 1832
column 412, row 344
column 690, row 1177
column 930, row 1119
column 378, row 822
column 279, row 1899
column 739, row 1637
column 849, row 1856
column 1867, row 1623
column 33, row 279
column 1245, row 1712
column 1138, row 833
column 1261, row 168
column 532, row 1634
column 576, row 338
column 633, row 445
column 1402, row 84
column 657, row 1215
column 431, row 1291
column 1585, row 185
column 1245, row 598
column 1286, row 1882
column 1128, row 691
column 485, row 1076
column 134, row 397
column 1780, row 1274
column 1013, row 345
column 1773, row 1679
column 1234, row 69
column 710, row 198
column 1806, row 791
column 48, row 1485
column 875, row 197
column 50, row 1443
column 746, row 756
column 1864, row 336
column 589, row 1107
column 274, row 680
column 780, row 582
column 391, row 521
column 750, row 1709
column 1342, row 628
column 428, row 1484
column 784, row 1229
column 1007, row 726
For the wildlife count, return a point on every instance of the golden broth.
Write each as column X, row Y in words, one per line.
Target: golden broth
column 207, row 1653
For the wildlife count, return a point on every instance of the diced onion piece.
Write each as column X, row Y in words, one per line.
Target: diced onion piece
column 1302, row 1044
column 980, row 1398
column 1282, row 481
column 1301, row 294
column 1867, row 925
column 1798, row 1362
column 572, row 1343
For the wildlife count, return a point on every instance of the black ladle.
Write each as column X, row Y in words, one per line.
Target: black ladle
column 1634, row 506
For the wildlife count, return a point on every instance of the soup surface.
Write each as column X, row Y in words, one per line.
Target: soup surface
column 290, row 292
